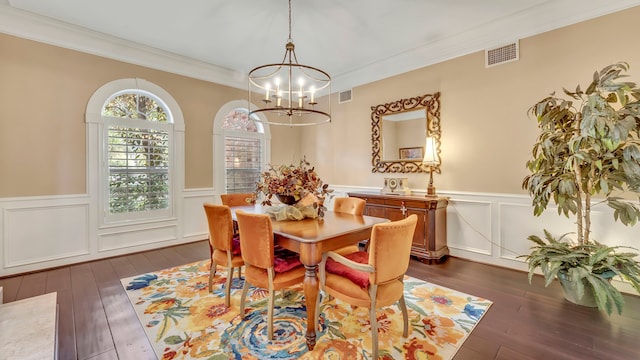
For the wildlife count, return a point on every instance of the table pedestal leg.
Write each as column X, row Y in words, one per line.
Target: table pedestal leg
column 310, row 287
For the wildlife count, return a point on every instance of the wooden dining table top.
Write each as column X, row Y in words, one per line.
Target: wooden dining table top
column 309, row 230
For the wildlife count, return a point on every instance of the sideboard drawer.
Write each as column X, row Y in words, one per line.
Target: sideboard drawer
column 378, row 201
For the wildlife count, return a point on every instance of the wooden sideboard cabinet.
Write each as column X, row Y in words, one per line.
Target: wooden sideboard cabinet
column 430, row 237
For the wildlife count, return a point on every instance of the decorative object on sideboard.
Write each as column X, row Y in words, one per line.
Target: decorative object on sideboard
column 396, row 186
column 289, row 91
column 431, row 159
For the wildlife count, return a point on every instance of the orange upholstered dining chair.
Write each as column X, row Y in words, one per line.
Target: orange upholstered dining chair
column 257, row 244
column 353, row 206
column 372, row 279
column 240, row 199
column 225, row 251
column 349, row 205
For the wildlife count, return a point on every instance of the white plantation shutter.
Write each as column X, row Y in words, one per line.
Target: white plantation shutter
column 243, row 151
column 137, row 161
column 242, row 164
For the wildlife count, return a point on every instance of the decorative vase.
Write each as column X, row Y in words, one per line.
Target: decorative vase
column 287, row 199
column 569, row 289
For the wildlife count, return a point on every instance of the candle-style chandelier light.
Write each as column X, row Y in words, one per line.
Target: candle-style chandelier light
column 288, row 93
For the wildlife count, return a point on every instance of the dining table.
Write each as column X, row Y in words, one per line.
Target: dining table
column 311, row 238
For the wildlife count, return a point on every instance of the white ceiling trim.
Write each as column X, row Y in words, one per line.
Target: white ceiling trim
column 520, row 26
column 53, row 32
column 524, row 24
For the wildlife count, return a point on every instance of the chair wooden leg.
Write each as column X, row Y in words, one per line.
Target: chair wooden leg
column 227, row 290
column 373, row 289
column 272, row 295
column 245, row 289
column 239, row 272
column 405, row 316
column 374, row 332
column 212, row 273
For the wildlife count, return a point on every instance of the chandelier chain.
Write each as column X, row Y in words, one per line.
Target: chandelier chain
column 289, row 19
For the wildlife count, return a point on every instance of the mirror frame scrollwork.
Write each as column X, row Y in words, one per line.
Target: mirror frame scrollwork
column 429, row 102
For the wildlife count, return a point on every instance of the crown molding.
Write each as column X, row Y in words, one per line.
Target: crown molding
column 541, row 18
column 521, row 25
column 38, row 28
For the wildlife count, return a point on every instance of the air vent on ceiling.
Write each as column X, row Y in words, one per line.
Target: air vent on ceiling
column 502, row 54
column 344, row 96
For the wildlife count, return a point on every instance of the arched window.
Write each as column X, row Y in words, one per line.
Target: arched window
column 138, row 137
column 242, row 147
column 133, row 146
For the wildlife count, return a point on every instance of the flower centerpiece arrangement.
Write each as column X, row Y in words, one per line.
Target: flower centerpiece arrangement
column 291, row 183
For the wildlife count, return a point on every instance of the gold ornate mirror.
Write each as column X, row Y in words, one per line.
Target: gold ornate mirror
column 398, row 133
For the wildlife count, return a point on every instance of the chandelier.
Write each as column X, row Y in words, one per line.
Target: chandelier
column 289, row 92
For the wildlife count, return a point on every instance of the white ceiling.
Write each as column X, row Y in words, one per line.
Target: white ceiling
column 355, row 41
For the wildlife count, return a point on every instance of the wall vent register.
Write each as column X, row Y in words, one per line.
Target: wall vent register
column 502, row 54
column 344, row 96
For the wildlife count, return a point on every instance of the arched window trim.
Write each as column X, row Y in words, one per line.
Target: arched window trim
column 218, row 141
column 95, row 149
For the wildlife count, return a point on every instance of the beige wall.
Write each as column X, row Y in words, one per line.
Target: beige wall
column 486, row 134
column 43, row 96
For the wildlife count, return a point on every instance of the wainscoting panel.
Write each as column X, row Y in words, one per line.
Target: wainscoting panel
column 132, row 237
column 44, row 232
column 509, row 218
column 514, row 238
column 194, row 223
column 37, row 234
column 469, row 226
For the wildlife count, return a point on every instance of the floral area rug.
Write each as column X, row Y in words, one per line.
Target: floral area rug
column 184, row 321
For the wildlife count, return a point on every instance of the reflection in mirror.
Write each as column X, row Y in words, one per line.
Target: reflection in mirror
column 398, row 132
column 403, row 135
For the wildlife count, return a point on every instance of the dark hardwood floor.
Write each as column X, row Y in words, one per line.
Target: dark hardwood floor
column 96, row 320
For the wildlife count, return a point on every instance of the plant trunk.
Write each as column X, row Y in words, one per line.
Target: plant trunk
column 579, row 219
column 580, row 212
column 587, row 214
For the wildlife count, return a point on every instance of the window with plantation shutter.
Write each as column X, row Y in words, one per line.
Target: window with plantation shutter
column 243, row 151
column 138, row 137
column 242, row 164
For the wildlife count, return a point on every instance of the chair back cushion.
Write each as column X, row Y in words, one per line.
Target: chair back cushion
column 256, row 239
column 237, row 199
column 220, row 226
column 349, row 205
column 361, row 278
column 390, row 249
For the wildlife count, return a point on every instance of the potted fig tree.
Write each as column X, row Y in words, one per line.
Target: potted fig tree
column 587, row 153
